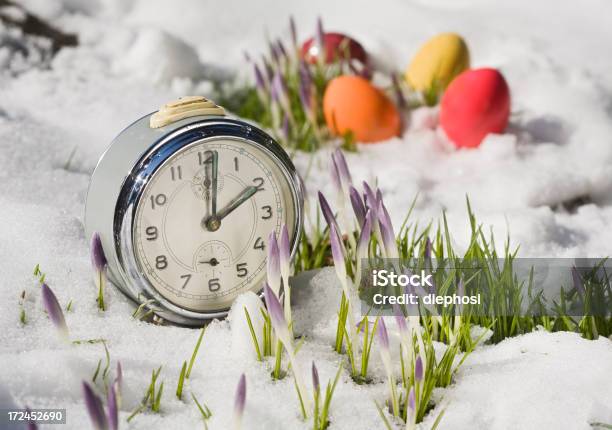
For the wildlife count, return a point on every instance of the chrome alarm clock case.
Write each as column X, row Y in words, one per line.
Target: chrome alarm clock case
column 184, row 201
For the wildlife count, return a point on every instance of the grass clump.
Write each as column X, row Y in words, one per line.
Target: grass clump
column 152, row 397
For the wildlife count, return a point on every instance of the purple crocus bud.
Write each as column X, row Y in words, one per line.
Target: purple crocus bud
column 54, row 310
column 274, row 90
column 306, row 98
column 335, row 177
column 293, row 29
column 383, row 340
column 280, row 91
column 345, row 174
column 98, row 259
column 427, row 252
column 327, row 212
column 306, row 89
column 387, row 239
column 315, row 379
column 412, row 403
column 247, row 57
column 418, row 369
column 386, row 230
column 239, row 402
column 379, row 196
column 400, row 319
column 274, row 53
column 364, row 237
column 278, row 84
column 337, row 254
column 384, row 218
column 113, row 410
column 370, row 197
column 268, row 68
column 320, row 38
column 94, row 408
column 285, row 126
column 277, row 316
column 577, row 280
column 358, row 206
column 383, row 335
column 305, row 75
column 281, row 49
column 260, row 83
column 285, row 255
column 273, row 263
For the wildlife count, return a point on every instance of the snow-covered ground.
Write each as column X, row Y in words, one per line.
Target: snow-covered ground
column 135, row 55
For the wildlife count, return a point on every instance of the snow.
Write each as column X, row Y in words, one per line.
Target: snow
column 539, row 380
column 56, row 119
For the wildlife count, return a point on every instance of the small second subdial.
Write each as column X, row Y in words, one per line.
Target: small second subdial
column 212, row 254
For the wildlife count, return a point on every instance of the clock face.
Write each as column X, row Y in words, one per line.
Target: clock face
column 202, row 223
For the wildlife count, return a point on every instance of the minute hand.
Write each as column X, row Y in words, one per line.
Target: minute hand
column 246, row 194
column 215, row 174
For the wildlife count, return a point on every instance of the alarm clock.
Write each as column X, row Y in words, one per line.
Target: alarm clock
column 184, row 201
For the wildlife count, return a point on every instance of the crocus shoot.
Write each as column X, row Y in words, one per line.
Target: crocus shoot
column 95, row 409
column 321, row 409
column 284, row 335
column 239, row 402
column 385, row 355
column 54, row 310
column 98, row 261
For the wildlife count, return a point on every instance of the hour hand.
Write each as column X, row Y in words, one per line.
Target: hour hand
column 246, row 194
column 213, row 222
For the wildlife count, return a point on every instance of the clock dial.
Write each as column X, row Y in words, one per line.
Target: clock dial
column 203, row 221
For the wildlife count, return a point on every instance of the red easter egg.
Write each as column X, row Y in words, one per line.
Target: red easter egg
column 337, row 46
column 476, row 103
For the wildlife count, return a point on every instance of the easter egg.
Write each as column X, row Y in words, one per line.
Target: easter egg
column 337, row 46
column 437, row 63
column 353, row 104
column 475, row 104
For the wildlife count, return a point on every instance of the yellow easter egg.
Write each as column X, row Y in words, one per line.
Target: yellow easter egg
column 437, row 63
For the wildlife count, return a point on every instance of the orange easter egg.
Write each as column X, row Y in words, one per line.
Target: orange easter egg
column 353, row 104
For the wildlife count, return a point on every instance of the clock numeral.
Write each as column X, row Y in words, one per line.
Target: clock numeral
column 236, row 167
column 186, row 278
column 259, row 183
column 241, row 270
column 214, row 285
column 268, row 213
column 176, row 172
column 259, row 244
column 205, row 157
column 161, row 262
column 151, row 233
column 158, row 200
